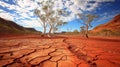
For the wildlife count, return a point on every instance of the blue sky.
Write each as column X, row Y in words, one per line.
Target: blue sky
column 21, row 12
column 106, row 11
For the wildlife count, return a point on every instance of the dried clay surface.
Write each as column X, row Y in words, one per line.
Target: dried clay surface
column 72, row 51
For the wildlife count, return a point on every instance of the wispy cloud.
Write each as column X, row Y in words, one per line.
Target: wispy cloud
column 22, row 10
column 31, row 23
column 108, row 15
column 6, row 15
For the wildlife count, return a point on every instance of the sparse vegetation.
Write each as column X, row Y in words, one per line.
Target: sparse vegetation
column 111, row 28
column 87, row 19
column 75, row 32
column 82, row 30
column 106, row 32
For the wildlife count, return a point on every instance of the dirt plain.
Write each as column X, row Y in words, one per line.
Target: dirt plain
column 62, row 51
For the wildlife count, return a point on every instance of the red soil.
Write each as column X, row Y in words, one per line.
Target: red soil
column 60, row 51
column 103, row 51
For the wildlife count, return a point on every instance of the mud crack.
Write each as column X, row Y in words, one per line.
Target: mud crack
column 81, row 54
column 18, row 59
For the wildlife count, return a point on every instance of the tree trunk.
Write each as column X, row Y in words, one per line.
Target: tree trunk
column 86, row 33
column 50, row 31
column 44, row 30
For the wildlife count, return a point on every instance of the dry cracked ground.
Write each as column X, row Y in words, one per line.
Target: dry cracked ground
column 59, row 52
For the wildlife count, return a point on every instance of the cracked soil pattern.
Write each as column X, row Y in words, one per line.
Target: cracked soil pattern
column 59, row 52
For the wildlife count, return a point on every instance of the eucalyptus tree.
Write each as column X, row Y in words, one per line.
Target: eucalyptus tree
column 82, row 9
column 56, row 23
column 90, row 18
column 49, row 15
column 82, row 30
column 42, row 19
column 52, row 10
column 87, row 19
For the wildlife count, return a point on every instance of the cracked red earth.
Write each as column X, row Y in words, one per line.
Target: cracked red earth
column 66, row 51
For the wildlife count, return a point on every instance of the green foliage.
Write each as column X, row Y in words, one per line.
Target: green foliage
column 49, row 16
column 45, row 8
column 90, row 17
column 82, row 30
column 87, row 19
